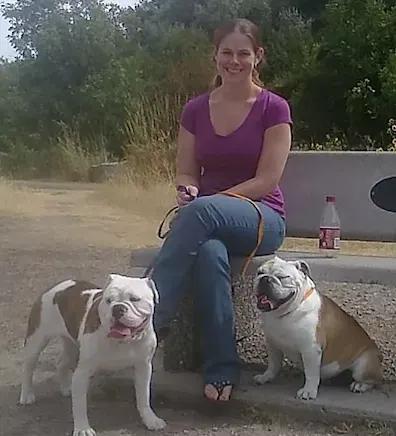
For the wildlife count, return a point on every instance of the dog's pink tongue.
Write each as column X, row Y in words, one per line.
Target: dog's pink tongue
column 119, row 331
column 264, row 303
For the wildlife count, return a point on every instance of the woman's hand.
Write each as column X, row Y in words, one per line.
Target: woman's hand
column 185, row 194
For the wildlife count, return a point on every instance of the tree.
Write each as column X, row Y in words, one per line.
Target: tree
column 357, row 40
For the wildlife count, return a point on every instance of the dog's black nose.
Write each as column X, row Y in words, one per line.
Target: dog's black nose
column 118, row 311
column 265, row 279
column 264, row 285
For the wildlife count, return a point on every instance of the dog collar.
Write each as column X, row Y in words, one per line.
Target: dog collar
column 308, row 293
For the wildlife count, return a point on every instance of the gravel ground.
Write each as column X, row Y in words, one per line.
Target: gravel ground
column 33, row 256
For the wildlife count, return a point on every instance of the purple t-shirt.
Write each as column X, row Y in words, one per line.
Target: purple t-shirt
column 229, row 160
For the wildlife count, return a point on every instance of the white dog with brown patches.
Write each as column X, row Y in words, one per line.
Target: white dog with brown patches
column 311, row 330
column 107, row 329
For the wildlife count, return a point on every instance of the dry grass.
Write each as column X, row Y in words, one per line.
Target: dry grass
column 16, row 200
column 76, row 160
column 150, row 201
column 110, row 216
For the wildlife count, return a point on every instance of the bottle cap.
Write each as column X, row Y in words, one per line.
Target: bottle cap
column 330, row 198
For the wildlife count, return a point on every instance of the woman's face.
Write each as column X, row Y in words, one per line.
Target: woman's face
column 236, row 58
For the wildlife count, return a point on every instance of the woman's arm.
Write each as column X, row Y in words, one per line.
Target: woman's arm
column 187, row 168
column 276, row 148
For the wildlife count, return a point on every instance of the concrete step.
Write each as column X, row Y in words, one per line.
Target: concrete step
column 334, row 403
column 348, row 268
column 343, row 268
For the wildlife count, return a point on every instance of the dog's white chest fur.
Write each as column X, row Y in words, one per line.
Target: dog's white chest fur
column 113, row 355
column 294, row 332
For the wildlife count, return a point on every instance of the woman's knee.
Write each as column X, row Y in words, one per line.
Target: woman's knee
column 200, row 209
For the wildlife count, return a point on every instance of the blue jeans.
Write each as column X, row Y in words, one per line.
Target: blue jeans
column 204, row 233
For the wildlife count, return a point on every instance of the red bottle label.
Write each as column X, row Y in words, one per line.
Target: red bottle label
column 329, row 238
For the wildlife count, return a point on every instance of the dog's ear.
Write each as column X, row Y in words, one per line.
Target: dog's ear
column 303, row 266
column 153, row 288
column 109, row 279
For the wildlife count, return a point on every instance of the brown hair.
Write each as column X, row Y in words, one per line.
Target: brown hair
column 247, row 28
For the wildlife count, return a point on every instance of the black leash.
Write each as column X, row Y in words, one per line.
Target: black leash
column 174, row 209
column 160, row 234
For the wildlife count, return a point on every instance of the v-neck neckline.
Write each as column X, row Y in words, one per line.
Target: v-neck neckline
column 245, row 120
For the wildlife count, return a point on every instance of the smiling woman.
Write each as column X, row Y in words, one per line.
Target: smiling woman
column 234, row 55
column 233, row 139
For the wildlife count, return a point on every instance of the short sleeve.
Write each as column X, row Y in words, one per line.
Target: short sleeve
column 188, row 116
column 277, row 112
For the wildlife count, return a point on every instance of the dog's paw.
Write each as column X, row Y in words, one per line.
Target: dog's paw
column 307, row 393
column 261, row 379
column 27, row 398
column 359, row 387
column 85, row 432
column 153, row 422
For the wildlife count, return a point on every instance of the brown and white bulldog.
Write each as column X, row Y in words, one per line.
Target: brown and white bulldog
column 311, row 330
column 109, row 328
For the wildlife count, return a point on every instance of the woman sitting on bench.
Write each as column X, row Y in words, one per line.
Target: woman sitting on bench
column 235, row 138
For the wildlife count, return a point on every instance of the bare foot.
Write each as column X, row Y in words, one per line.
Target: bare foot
column 226, row 394
column 211, row 393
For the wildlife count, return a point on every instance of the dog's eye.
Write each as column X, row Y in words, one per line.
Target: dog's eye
column 134, row 299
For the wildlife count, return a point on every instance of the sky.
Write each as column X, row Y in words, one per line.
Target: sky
column 5, row 48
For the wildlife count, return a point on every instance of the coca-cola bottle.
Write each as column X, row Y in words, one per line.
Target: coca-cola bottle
column 330, row 229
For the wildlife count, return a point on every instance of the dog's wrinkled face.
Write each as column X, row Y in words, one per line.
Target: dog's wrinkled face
column 127, row 306
column 277, row 281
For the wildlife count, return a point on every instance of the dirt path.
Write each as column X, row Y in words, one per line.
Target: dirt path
column 50, row 234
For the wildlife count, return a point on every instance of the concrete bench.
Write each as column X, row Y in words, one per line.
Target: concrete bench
column 308, row 178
